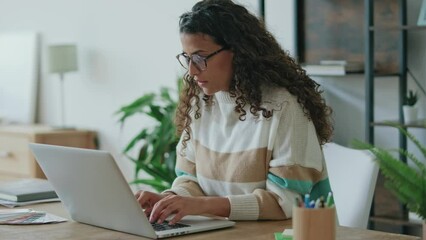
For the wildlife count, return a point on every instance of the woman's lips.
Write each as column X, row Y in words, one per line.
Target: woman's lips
column 201, row 83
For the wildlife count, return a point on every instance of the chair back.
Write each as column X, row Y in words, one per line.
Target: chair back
column 352, row 174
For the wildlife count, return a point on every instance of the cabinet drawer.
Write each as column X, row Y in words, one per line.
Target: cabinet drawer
column 15, row 157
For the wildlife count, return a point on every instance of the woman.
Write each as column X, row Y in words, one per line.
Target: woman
column 251, row 123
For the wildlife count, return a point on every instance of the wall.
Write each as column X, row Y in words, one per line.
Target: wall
column 126, row 48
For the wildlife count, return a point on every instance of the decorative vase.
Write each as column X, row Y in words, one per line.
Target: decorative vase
column 410, row 114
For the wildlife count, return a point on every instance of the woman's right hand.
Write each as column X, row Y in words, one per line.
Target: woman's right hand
column 147, row 200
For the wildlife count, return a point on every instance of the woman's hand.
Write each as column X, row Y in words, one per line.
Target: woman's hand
column 178, row 205
column 181, row 206
column 147, row 200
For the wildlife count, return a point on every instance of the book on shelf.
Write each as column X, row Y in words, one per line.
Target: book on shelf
column 27, row 189
column 334, row 67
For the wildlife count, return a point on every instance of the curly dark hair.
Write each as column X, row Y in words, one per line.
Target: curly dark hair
column 258, row 60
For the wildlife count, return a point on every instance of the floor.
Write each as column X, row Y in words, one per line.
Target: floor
column 387, row 207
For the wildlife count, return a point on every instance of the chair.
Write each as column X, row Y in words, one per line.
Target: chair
column 352, row 174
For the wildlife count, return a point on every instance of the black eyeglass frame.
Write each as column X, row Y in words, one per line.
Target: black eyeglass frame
column 189, row 58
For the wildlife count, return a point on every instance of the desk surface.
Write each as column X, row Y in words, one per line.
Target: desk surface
column 242, row 230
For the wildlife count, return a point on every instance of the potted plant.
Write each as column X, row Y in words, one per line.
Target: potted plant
column 407, row 182
column 409, row 109
column 155, row 146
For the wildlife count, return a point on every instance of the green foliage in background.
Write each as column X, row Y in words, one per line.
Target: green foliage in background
column 156, row 146
column 407, row 182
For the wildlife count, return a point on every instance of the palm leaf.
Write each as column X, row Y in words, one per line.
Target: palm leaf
column 157, row 153
column 156, row 184
column 142, row 135
column 135, row 107
column 407, row 183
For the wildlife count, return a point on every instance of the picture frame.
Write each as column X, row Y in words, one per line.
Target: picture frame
column 422, row 15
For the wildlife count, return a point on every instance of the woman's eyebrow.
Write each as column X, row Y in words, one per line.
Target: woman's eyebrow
column 195, row 52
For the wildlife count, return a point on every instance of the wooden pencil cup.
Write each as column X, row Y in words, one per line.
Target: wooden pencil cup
column 314, row 223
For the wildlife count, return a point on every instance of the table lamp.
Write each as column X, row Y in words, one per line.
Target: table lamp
column 62, row 59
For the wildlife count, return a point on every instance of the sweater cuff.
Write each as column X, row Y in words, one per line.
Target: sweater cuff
column 243, row 207
column 179, row 191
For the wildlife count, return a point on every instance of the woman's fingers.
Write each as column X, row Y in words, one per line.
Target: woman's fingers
column 178, row 216
column 148, row 211
column 147, row 199
column 167, row 211
column 177, row 205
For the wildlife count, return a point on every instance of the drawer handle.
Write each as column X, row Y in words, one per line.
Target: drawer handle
column 5, row 154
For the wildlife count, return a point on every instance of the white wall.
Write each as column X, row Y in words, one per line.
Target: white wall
column 126, row 48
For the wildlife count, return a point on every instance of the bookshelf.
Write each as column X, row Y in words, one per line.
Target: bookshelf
column 382, row 33
column 399, row 219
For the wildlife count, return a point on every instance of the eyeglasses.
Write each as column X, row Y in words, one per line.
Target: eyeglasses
column 200, row 62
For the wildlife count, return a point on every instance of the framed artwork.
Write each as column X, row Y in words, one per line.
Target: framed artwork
column 422, row 15
column 334, row 30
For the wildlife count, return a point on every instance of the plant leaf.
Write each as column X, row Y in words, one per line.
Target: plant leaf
column 407, row 183
column 157, row 153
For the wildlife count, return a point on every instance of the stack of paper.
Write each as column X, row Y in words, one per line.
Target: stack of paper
column 8, row 216
column 334, row 67
column 12, row 204
column 27, row 216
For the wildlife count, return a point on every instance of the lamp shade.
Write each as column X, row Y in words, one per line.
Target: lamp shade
column 62, row 58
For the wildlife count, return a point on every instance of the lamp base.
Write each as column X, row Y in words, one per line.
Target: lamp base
column 64, row 128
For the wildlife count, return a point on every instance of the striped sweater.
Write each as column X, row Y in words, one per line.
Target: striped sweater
column 259, row 164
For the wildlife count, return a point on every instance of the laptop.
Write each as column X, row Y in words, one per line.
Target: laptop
column 94, row 191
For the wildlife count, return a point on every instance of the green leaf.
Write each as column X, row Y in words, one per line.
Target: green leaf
column 157, row 185
column 142, row 135
column 135, row 107
column 157, row 154
column 406, row 182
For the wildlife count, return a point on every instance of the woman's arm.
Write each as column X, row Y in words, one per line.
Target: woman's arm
column 297, row 164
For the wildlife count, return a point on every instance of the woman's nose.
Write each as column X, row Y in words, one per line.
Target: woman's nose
column 192, row 69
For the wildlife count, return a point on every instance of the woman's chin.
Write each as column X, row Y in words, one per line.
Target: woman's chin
column 208, row 91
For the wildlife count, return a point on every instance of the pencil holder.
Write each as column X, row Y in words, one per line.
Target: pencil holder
column 314, row 223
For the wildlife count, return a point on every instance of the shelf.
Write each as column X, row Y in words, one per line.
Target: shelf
column 377, row 75
column 395, row 221
column 397, row 28
column 331, row 75
column 387, row 74
column 421, row 123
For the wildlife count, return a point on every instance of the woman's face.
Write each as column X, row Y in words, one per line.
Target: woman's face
column 218, row 73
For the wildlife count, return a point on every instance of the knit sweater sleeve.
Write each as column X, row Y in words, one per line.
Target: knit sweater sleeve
column 297, row 164
column 186, row 183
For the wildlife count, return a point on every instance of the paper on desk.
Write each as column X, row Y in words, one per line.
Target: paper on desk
column 12, row 204
column 27, row 216
column 287, row 234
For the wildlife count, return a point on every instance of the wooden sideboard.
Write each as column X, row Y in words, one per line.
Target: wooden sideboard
column 16, row 159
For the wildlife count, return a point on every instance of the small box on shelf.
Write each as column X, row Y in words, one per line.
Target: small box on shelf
column 334, row 67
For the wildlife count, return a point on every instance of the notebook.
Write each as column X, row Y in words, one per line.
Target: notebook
column 28, row 189
column 94, row 191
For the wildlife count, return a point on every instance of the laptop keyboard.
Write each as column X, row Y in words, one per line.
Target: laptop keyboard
column 165, row 226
